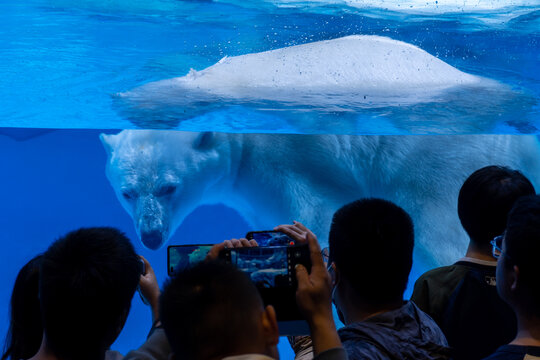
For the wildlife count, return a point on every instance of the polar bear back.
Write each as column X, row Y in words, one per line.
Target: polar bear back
column 352, row 63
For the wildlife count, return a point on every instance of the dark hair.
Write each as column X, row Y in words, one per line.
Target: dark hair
column 88, row 279
column 209, row 310
column 522, row 241
column 25, row 330
column 486, row 198
column 371, row 242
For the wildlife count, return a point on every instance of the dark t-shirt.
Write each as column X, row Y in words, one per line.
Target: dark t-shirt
column 516, row 352
column 463, row 301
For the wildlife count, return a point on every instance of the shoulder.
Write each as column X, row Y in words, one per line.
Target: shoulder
column 360, row 350
column 440, row 278
column 433, row 289
column 512, row 352
column 445, row 273
column 429, row 326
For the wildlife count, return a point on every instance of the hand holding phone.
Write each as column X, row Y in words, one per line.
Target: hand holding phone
column 314, row 299
column 314, row 292
column 296, row 231
column 267, row 238
column 149, row 288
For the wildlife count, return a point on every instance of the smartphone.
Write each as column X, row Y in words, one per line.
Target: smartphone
column 142, row 267
column 272, row 269
column 270, row 238
column 181, row 257
column 269, row 267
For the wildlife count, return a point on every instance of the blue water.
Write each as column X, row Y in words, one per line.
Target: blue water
column 63, row 60
column 54, row 183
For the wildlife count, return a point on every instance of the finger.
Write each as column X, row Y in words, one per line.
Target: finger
column 291, row 232
column 213, row 254
column 228, row 244
column 315, row 252
column 144, row 266
column 253, row 243
column 283, row 227
column 147, row 266
column 146, row 263
column 302, row 227
column 245, row 242
column 236, row 243
column 297, row 230
column 302, row 277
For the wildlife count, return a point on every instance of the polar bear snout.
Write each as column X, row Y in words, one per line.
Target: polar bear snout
column 152, row 232
column 153, row 239
column 152, row 223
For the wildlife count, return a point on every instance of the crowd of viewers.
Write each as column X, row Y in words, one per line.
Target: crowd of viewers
column 72, row 301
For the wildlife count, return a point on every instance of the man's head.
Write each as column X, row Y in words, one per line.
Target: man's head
column 485, row 199
column 213, row 310
column 517, row 269
column 371, row 243
column 87, row 281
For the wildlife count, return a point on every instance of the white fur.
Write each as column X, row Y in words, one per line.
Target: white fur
column 428, row 6
column 272, row 178
column 350, row 72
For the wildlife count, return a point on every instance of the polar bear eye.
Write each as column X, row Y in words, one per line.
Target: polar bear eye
column 128, row 194
column 166, row 190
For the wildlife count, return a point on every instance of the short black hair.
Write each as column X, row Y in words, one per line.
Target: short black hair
column 486, row 198
column 522, row 241
column 371, row 242
column 25, row 330
column 209, row 310
column 88, row 278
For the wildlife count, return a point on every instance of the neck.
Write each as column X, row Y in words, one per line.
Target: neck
column 528, row 331
column 355, row 309
column 360, row 312
column 44, row 353
column 481, row 253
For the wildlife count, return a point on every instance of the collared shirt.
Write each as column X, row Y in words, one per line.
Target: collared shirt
column 516, row 352
column 249, row 357
column 403, row 333
column 463, row 300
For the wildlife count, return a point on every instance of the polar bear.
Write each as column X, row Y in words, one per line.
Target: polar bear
column 366, row 70
column 426, row 6
column 341, row 77
column 162, row 176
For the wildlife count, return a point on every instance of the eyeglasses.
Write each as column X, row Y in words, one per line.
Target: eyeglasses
column 497, row 246
column 326, row 257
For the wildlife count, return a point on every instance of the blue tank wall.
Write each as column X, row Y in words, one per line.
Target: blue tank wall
column 55, row 182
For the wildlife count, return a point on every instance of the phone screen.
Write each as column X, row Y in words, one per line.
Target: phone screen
column 272, row 270
column 267, row 267
column 181, row 257
column 270, row 238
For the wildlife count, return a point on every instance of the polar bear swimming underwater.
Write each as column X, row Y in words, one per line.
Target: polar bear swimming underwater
column 160, row 177
column 339, row 75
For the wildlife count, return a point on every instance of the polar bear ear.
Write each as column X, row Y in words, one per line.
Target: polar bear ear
column 109, row 142
column 204, row 141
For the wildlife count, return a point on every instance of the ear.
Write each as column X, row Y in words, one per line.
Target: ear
column 109, row 142
column 270, row 326
column 515, row 279
column 204, row 141
column 336, row 277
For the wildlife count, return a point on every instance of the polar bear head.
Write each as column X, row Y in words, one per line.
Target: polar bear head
column 162, row 176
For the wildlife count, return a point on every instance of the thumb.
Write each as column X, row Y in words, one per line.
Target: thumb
column 302, row 275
